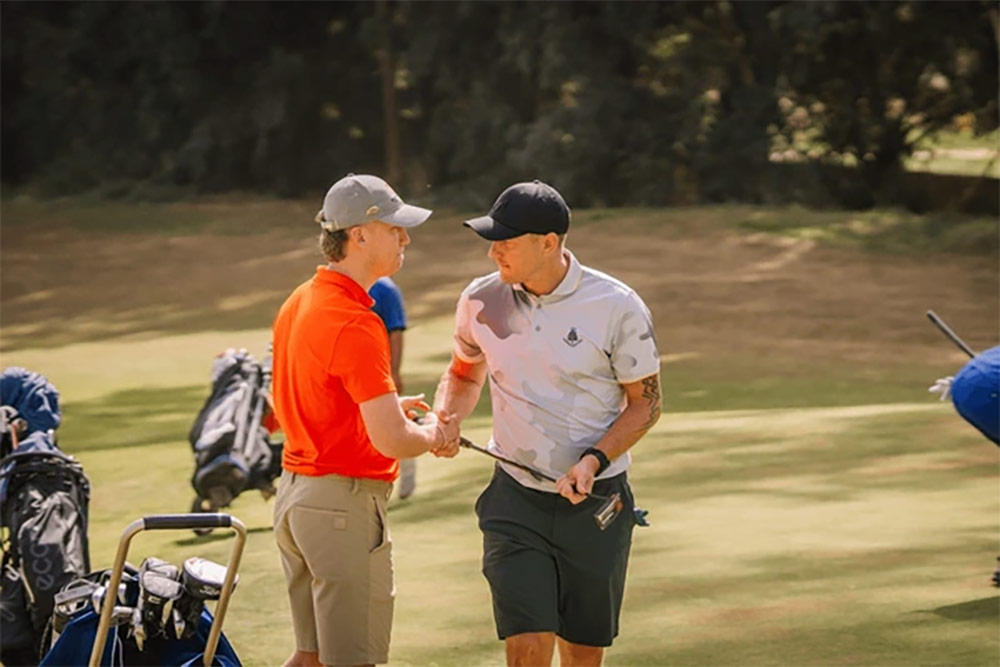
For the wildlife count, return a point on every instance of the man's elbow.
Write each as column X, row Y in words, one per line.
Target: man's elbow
column 384, row 447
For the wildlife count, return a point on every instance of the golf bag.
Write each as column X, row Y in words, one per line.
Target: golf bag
column 159, row 616
column 232, row 448
column 44, row 496
column 30, row 404
column 975, row 393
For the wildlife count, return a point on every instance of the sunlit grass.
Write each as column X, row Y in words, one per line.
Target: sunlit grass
column 882, row 230
column 780, row 536
column 810, row 503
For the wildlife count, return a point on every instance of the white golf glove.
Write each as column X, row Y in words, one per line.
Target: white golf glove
column 943, row 387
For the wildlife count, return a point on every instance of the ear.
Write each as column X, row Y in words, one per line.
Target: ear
column 550, row 243
column 358, row 235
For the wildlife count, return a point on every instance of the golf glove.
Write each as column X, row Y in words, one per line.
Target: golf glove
column 943, row 387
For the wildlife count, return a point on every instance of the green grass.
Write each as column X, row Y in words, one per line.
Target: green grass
column 958, row 152
column 949, row 152
column 881, row 230
column 810, row 503
column 781, row 535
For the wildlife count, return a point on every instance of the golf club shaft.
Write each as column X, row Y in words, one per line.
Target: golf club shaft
column 538, row 473
column 946, row 330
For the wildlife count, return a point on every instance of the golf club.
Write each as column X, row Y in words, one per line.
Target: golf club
column 946, row 330
column 605, row 514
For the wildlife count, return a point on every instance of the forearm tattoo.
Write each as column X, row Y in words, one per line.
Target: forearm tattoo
column 651, row 392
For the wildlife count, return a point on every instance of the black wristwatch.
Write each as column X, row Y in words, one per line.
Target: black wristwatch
column 602, row 459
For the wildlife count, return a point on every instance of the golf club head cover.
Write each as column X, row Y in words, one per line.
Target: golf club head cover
column 159, row 588
column 202, row 580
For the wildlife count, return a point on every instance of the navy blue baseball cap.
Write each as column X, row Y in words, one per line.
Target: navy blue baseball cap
column 523, row 208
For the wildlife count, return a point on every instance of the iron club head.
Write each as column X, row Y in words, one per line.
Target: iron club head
column 608, row 511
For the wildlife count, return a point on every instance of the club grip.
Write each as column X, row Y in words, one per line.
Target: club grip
column 186, row 521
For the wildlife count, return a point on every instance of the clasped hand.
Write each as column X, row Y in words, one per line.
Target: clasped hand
column 446, row 426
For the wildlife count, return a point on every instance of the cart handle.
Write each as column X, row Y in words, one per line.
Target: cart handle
column 175, row 522
column 186, row 521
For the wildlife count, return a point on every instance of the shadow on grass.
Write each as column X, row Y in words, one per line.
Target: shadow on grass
column 454, row 495
column 171, row 318
column 131, row 418
column 985, row 609
column 219, row 535
column 199, row 540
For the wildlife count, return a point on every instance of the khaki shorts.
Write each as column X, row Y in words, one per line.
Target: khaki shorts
column 335, row 548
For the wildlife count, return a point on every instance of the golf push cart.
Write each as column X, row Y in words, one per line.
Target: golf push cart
column 153, row 615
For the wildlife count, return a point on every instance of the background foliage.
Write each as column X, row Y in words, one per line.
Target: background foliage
column 614, row 103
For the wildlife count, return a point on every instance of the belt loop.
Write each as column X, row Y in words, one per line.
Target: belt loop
column 355, row 485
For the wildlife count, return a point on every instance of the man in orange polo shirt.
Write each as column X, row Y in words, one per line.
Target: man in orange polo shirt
column 345, row 430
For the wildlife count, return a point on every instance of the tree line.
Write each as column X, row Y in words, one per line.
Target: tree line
column 615, row 103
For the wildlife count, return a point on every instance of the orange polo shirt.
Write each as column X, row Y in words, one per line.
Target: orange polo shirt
column 331, row 353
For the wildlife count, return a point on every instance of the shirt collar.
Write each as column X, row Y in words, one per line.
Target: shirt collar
column 566, row 287
column 356, row 292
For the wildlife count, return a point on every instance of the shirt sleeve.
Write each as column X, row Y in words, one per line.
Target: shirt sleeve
column 361, row 359
column 634, row 354
column 389, row 306
column 466, row 348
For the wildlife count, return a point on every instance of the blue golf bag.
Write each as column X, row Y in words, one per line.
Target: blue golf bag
column 31, row 404
column 975, row 392
column 74, row 644
column 153, row 615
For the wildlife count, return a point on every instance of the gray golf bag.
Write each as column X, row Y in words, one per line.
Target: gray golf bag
column 232, row 448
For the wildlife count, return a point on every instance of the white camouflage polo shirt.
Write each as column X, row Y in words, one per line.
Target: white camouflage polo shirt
column 556, row 364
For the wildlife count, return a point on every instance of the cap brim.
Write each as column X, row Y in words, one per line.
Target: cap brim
column 491, row 230
column 408, row 216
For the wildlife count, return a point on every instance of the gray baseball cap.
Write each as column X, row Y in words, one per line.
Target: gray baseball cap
column 355, row 200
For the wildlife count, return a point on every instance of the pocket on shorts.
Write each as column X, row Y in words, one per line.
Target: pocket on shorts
column 322, row 518
column 379, row 532
column 381, row 602
column 383, row 585
column 481, row 500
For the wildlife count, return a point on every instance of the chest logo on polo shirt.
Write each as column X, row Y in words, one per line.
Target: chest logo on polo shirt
column 572, row 338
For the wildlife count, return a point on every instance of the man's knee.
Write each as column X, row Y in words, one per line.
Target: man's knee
column 578, row 655
column 530, row 649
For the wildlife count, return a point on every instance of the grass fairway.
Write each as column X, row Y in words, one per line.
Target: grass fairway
column 810, row 503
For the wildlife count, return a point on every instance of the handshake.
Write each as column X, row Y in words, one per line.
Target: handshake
column 444, row 428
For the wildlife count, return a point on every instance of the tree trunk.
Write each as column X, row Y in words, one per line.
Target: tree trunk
column 387, row 70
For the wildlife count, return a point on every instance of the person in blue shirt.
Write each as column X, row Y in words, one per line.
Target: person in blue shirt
column 389, row 307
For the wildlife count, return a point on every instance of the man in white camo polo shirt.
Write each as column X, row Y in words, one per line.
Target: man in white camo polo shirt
column 574, row 381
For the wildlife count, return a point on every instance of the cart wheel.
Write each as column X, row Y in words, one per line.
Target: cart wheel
column 201, row 506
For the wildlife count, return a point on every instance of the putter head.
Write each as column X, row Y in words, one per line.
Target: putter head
column 608, row 511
